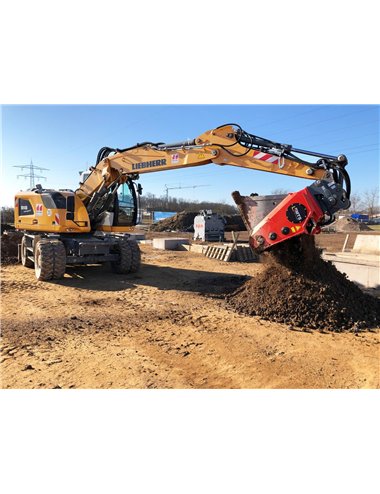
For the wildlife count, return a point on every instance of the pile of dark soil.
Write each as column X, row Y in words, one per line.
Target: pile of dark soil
column 184, row 222
column 234, row 223
column 299, row 288
column 9, row 246
column 180, row 222
column 6, row 226
column 347, row 224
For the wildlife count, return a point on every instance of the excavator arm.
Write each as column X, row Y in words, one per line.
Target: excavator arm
column 302, row 212
column 225, row 145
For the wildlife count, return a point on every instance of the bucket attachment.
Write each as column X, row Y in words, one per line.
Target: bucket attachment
column 293, row 215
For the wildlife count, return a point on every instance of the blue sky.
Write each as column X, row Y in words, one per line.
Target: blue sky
column 66, row 138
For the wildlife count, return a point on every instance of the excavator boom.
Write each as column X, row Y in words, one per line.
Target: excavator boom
column 225, row 145
column 231, row 145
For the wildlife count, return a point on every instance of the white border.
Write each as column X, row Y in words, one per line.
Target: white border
column 198, row 52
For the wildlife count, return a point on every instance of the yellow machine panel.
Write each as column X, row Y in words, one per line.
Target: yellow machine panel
column 54, row 212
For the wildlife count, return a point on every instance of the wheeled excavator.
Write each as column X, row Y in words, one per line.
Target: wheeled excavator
column 92, row 224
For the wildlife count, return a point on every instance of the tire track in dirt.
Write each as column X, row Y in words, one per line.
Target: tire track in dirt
column 164, row 328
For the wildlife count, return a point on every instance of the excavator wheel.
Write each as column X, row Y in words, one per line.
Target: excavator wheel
column 136, row 257
column 49, row 260
column 59, row 261
column 25, row 261
column 129, row 259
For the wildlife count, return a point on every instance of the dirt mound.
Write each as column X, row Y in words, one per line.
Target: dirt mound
column 180, row 222
column 9, row 246
column 184, row 222
column 6, row 226
column 301, row 289
column 234, row 222
column 347, row 224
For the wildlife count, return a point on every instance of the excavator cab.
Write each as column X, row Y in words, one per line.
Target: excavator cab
column 127, row 204
column 118, row 210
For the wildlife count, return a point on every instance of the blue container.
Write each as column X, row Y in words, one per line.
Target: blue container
column 360, row 217
column 161, row 215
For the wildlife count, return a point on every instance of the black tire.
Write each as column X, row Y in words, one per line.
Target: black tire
column 59, row 259
column 136, row 256
column 25, row 261
column 49, row 260
column 124, row 264
column 43, row 260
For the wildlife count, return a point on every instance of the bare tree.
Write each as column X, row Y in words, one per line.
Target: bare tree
column 356, row 203
column 7, row 215
column 371, row 200
column 279, row 192
column 176, row 204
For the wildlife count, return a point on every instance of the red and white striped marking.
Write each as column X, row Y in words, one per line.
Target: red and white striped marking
column 269, row 158
column 57, row 219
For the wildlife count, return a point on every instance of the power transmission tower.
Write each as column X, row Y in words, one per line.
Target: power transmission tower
column 31, row 172
column 180, row 187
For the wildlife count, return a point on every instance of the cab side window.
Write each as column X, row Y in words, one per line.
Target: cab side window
column 126, row 202
column 24, row 207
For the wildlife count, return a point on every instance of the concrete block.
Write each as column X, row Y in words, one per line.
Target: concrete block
column 137, row 236
column 362, row 269
column 367, row 244
column 198, row 248
column 184, row 247
column 169, row 243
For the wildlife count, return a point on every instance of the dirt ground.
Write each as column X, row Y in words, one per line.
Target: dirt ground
column 165, row 327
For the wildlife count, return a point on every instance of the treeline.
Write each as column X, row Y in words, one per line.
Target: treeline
column 7, row 215
column 365, row 202
column 150, row 202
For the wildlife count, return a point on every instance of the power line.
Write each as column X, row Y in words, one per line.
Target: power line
column 181, row 187
column 84, row 144
column 327, row 119
column 31, row 172
column 345, row 139
column 336, row 130
column 364, row 151
column 273, row 122
column 375, row 145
